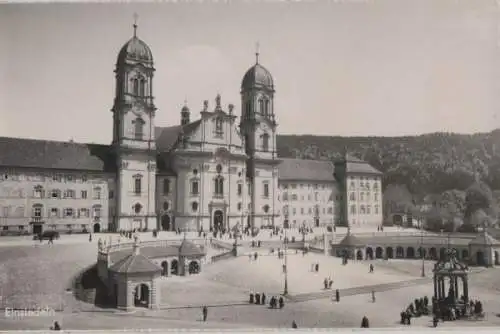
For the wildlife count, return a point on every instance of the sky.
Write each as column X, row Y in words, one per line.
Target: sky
column 349, row 68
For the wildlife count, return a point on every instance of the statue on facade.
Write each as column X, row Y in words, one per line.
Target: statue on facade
column 205, row 105
column 217, row 102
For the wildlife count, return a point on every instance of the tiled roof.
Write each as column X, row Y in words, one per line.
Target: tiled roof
column 149, row 252
column 355, row 165
column 305, row 170
column 31, row 153
column 351, row 240
column 188, row 248
column 166, row 137
column 135, row 263
column 484, row 239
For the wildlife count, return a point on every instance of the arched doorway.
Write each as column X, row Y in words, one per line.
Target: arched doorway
column 410, row 252
column 369, row 253
column 164, row 268
column 316, row 222
column 359, row 255
column 433, row 253
column 400, row 252
column 194, row 268
column 465, row 254
column 174, row 267
column 141, row 296
column 480, row 260
column 421, row 252
column 166, row 223
column 390, row 252
column 379, row 252
column 442, row 253
column 397, row 220
column 218, row 220
column 497, row 260
column 97, row 228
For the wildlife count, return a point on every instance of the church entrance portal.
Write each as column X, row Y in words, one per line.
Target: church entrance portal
column 141, row 296
column 97, row 228
column 218, row 220
column 37, row 229
column 165, row 223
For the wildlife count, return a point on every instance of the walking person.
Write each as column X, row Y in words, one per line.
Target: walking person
column 205, row 313
column 90, row 237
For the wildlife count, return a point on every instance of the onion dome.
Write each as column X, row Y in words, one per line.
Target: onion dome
column 135, row 50
column 257, row 77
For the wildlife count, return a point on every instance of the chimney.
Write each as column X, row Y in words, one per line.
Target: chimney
column 185, row 114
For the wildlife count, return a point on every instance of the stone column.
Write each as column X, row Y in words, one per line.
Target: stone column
column 153, row 300
column 226, row 216
column 455, row 279
column 466, row 288
column 210, row 211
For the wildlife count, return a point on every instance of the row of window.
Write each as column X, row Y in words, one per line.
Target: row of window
column 364, row 210
column 53, row 226
column 302, row 186
column 265, row 208
column 362, row 197
column 295, row 197
column 39, row 192
column 364, row 185
column 316, row 211
column 39, row 178
column 219, row 188
column 37, row 212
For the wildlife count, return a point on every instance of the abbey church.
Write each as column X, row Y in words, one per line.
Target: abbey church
column 217, row 170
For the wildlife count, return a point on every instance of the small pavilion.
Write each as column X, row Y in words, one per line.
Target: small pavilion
column 351, row 247
column 453, row 270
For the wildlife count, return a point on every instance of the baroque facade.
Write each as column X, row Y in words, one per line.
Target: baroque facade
column 217, row 171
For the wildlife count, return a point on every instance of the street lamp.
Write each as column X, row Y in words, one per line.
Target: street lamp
column 422, row 252
column 285, row 290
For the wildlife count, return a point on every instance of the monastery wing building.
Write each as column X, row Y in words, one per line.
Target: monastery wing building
column 217, row 171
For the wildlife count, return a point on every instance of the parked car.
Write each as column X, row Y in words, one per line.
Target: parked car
column 46, row 235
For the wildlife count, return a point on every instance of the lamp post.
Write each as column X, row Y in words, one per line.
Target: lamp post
column 422, row 248
column 285, row 290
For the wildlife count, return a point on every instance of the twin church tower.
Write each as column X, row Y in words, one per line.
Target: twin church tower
column 205, row 174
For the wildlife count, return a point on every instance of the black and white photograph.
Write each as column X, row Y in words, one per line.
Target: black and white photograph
column 232, row 165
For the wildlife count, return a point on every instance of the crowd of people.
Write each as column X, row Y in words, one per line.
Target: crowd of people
column 260, row 299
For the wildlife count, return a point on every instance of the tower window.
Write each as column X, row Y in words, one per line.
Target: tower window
column 194, row 187
column 137, row 184
column 135, row 86
column 266, row 108
column 142, row 87
column 219, row 186
column 248, row 110
column 261, row 106
column 265, row 142
column 138, row 128
column 266, row 190
column 166, row 186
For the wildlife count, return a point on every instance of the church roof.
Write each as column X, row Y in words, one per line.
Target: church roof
column 484, row 239
column 257, row 76
column 135, row 264
column 351, row 240
column 166, row 137
column 355, row 165
column 33, row 153
column 188, row 248
column 305, row 170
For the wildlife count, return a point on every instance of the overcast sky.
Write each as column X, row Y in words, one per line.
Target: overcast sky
column 379, row 67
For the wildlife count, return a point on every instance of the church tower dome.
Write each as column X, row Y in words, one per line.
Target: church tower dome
column 135, row 50
column 257, row 76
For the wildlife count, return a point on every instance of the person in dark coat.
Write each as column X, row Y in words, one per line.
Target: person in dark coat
column 294, row 324
column 251, row 298
column 263, row 299
column 90, row 237
column 205, row 313
column 365, row 323
column 257, row 298
column 282, row 302
column 255, row 255
column 56, row 326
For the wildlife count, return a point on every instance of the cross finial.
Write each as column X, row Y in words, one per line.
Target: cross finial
column 136, row 17
column 257, row 46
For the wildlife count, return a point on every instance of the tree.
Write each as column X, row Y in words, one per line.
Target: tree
column 478, row 196
column 398, row 199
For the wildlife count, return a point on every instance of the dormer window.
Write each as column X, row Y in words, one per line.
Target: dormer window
column 138, row 128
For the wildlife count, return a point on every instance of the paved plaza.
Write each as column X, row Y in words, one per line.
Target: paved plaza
column 39, row 275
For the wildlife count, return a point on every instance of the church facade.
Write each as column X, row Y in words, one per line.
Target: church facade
column 214, row 172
